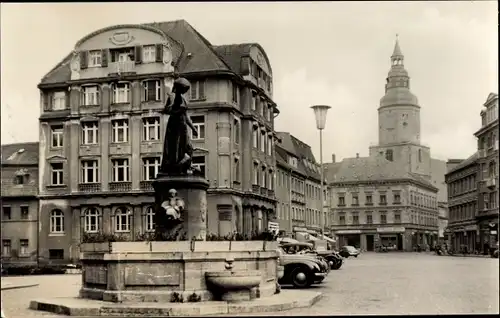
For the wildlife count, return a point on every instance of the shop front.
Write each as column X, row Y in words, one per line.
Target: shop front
column 349, row 237
column 488, row 236
column 391, row 238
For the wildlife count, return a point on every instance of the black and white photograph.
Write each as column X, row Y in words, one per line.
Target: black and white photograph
column 267, row 158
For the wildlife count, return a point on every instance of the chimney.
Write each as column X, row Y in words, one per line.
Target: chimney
column 333, row 157
column 357, row 154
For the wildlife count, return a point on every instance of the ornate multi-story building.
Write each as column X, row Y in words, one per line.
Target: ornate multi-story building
column 488, row 201
column 20, row 202
column 399, row 167
column 101, row 132
column 298, row 187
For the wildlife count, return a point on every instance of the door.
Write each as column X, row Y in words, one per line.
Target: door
column 370, row 243
column 400, row 242
column 123, row 57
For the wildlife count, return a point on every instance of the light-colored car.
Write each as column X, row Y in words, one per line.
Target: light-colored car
column 348, row 250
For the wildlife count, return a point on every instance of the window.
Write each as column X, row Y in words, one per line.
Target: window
column 7, row 215
column 199, row 123
column 92, row 220
column 420, row 155
column 120, row 130
column 355, row 200
column 59, row 101
column 255, row 174
column 121, row 93
column 255, row 140
column 389, row 155
column 91, row 96
column 19, row 179
column 24, row 246
column 369, row 219
column 254, row 101
column 263, row 183
column 56, row 222
column 120, row 170
column 271, row 180
column 151, row 129
column 151, row 168
column 6, row 248
column 90, row 171
column 89, row 133
column 263, row 141
column 383, row 199
column 95, row 58
column 237, row 170
column 57, row 173
column 197, row 90
column 369, row 199
column 236, row 134
column 397, row 217
column 355, row 219
column 341, row 200
column 151, row 91
column 270, row 145
column 199, row 161
column 122, row 219
column 56, row 253
column 342, row 219
column 57, row 136
column 383, row 218
column 150, row 219
column 25, row 212
column 149, row 54
column 397, row 198
column 235, row 93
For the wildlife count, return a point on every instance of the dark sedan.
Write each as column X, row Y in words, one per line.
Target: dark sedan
column 302, row 270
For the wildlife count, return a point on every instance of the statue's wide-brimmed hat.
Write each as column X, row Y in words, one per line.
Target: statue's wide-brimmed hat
column 181, row 85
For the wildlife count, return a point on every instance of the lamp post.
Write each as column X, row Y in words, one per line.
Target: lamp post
column 320, row 114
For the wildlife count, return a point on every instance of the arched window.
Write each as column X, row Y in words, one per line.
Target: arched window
column 122, row 219
column 92, row 220
column 56, row 221
column 150, row 219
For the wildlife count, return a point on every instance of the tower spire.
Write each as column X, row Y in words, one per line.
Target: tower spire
column 397, row 50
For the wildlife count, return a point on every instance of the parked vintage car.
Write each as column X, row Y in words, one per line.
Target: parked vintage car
column 348, row 250
column 332, row 258
column 302, row 270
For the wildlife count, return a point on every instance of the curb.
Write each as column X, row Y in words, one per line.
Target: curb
column 462, row 256
column 17, row 286
column 94, row 308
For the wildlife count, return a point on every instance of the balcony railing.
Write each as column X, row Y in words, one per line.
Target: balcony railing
column 89, row 187
column 146, row 185
column 122, row 67
column 120, row 186
column 255, row 188
column 270, row 193
column 263, row 191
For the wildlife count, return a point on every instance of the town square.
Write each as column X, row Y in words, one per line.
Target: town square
column 185, row 159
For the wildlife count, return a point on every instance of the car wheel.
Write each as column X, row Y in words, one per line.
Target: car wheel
column 336, row 265
column 356, row 256
column 300, row 278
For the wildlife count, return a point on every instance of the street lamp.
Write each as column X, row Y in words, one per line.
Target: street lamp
column 320, row 114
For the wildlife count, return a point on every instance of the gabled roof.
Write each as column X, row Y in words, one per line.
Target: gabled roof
column 491, row 97
column 472, row 159
column 370, row 169
column 306, row 163
column 25, row 153
column 232, row 54
column 186, row 39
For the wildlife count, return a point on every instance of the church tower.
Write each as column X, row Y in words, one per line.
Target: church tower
column 399, row 121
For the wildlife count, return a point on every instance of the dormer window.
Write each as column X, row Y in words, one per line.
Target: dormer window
column 95, row 58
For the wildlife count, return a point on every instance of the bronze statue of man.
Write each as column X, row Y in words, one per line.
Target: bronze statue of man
column 177, row 147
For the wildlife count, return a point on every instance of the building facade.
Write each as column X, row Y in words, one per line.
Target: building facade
column 19, row 203
column 101, row 132
column 299, row 188
column 462, row 204
column 487, row 214
column 375, row 202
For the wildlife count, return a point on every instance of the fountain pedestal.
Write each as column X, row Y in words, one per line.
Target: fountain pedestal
column 192, row 190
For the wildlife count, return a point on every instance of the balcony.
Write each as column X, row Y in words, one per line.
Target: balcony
column 263, row 191
column 120, row 186
column 146, row 186
column 270, row 193
column 89, row 187
column 127, row 67
column 255, row 188
column 491, row 182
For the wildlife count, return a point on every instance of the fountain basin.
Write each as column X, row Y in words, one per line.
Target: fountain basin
column 234, row 285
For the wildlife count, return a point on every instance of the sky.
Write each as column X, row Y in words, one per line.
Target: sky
column 333, row 53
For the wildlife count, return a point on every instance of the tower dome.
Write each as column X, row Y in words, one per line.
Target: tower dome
column 397, row 87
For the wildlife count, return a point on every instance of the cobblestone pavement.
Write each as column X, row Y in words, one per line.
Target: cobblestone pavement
column 389, row 283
